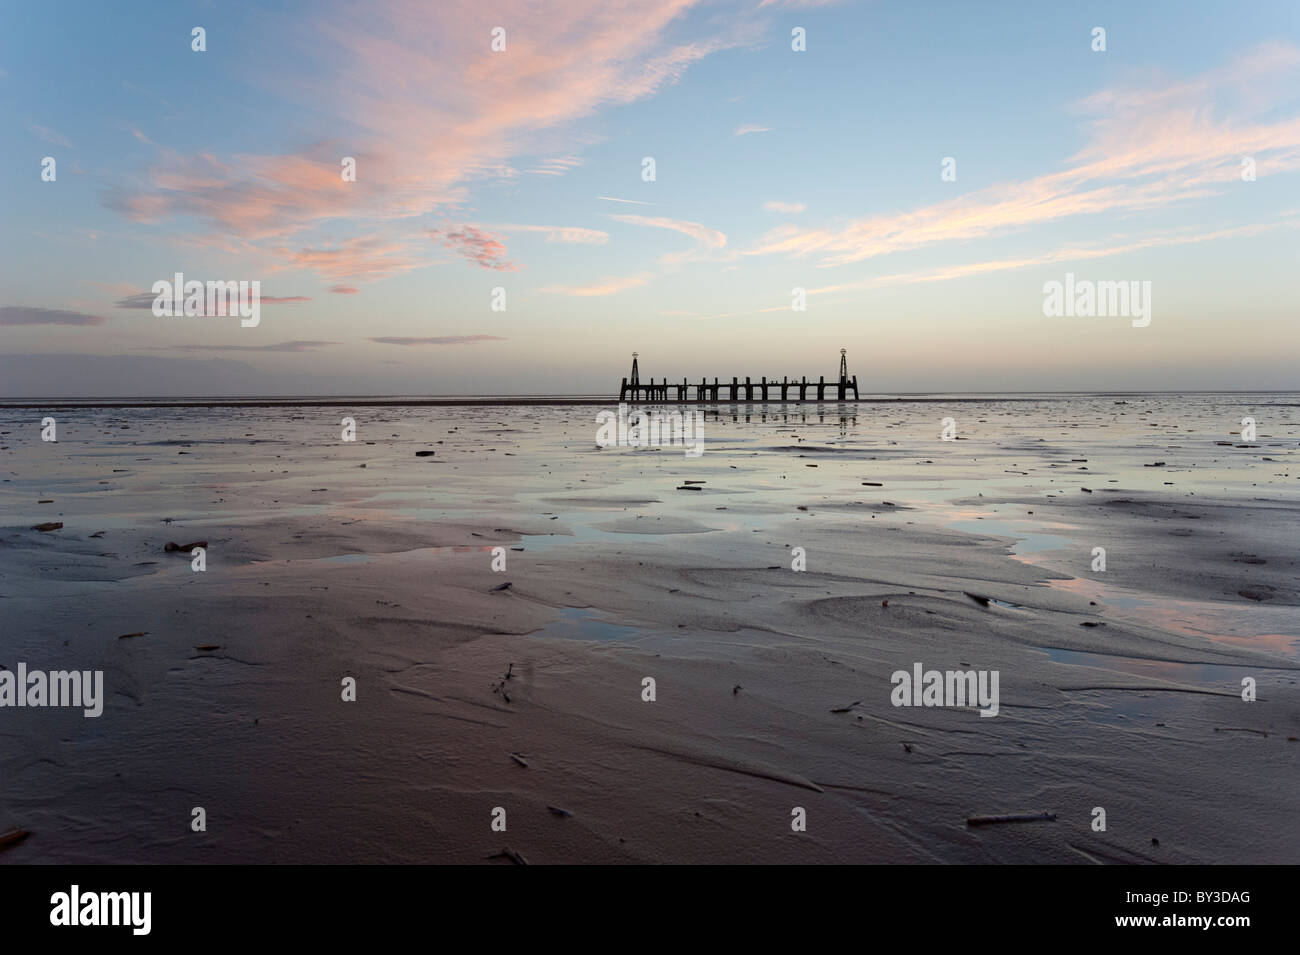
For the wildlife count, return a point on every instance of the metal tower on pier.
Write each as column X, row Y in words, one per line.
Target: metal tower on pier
column 846, row 382
column 632, row 386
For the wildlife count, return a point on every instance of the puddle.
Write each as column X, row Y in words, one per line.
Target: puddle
column 582, row 623
column 1203, row 674
column 1027, row 542
column 1257, row 627
column 585, row 535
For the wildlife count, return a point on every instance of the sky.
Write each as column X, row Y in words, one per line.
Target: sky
column 518, row 177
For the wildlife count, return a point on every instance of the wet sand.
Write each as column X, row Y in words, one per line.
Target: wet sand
column 319, row 569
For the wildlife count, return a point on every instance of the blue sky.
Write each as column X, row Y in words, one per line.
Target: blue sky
column 479, row 170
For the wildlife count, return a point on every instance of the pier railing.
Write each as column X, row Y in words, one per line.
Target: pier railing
column 762, row 390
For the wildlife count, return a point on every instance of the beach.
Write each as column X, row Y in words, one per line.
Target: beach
column 329, row 559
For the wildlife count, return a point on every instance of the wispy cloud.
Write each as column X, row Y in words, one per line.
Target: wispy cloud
column 1065, row 254
column 634, row 202
column 479, row 247
column 344, row 289
column 294, row 346
column 432, row 118
column 749, row 128
column 555, row 167
column 362, row 257
column 145, row 300
column 575, row 235
column 609, row 286
column 707, row 240
column 788, row 208
column 1150, row 147
column 29, row 315
column 50, row 136
column 442, row 340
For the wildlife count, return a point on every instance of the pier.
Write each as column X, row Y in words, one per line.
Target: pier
column 787, row 389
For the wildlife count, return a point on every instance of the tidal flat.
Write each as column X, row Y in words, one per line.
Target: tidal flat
column 373, row 561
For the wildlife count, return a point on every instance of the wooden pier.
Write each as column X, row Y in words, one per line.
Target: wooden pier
column 785, row 390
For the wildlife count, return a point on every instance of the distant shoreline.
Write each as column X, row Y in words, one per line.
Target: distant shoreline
column 577, row 400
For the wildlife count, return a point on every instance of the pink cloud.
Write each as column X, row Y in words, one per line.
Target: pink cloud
column 1149, row 148
column 710, row 238
column 479, row 247
column 572, row 235
column 706, row 239
column 1064, row 254
column 425, row 116
column 368, row 257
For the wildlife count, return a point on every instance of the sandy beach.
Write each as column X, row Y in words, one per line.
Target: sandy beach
column 329, row 559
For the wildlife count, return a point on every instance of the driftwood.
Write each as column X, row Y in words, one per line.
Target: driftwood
column 170, row 547
column 1011, row 817
column 12, row 837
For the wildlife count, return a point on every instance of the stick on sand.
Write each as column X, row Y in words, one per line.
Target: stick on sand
column 1011, row 817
